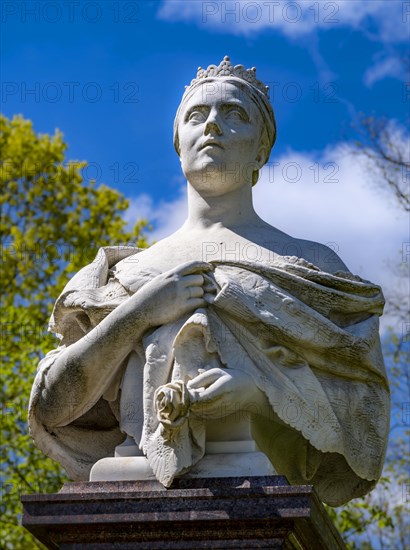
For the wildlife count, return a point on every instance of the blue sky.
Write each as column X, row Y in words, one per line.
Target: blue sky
column 110, row 75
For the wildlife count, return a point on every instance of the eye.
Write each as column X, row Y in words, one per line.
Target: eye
column 196, row 116
column 237, row 114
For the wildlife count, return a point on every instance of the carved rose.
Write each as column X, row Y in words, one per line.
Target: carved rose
column 172, row 404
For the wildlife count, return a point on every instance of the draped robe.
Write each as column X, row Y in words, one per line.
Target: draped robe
column 309, row 340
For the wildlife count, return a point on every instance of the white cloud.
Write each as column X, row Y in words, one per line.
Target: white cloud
column 389, row 66
column 380, row 20
column 332, row 201
column 165, row 217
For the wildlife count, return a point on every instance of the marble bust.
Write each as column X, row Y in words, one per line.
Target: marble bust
column 212, row 338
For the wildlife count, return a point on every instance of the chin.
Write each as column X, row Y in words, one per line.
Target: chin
column 212, row 187
column 208, row 168
column 204, row 171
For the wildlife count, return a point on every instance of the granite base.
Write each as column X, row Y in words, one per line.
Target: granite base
column 245, row 512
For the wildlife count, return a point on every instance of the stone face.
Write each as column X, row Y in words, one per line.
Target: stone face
column 255, row 512
column 215, row 335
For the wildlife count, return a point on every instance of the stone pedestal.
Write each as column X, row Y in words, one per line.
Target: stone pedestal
column 242, row 512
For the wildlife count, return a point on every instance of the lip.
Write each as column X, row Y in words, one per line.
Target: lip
column 210, row 143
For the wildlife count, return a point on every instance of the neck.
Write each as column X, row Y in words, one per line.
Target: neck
column 231, row 210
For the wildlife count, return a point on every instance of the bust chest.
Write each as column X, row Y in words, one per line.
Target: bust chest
column 216, row 246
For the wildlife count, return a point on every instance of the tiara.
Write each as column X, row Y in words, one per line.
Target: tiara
column 225, row 68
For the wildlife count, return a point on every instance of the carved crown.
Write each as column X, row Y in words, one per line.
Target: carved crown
column 225, row 68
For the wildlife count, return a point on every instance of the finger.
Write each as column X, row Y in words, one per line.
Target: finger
column 195, row 303
column 193, row 280
column 193, row 267
column 209, row 284
column 209, row 279
column 205, row 379
column 195, row 292
column 209, row 288
column 213, row 394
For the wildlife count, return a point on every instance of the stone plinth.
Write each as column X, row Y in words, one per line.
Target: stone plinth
column 252, row 512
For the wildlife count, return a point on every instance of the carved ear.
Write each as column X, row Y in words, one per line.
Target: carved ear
column 261, row 156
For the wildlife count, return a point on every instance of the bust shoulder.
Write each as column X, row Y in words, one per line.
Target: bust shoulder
column 322, row 256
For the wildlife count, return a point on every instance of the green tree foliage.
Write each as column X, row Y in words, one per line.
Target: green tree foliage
column 52, row 224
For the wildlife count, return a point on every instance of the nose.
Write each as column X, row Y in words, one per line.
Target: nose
column 212, row 124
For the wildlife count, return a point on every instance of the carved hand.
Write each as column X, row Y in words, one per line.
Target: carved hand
column 176, row 292
column 219, row 392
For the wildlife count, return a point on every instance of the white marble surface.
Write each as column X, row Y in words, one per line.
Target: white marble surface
column 211, row 335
